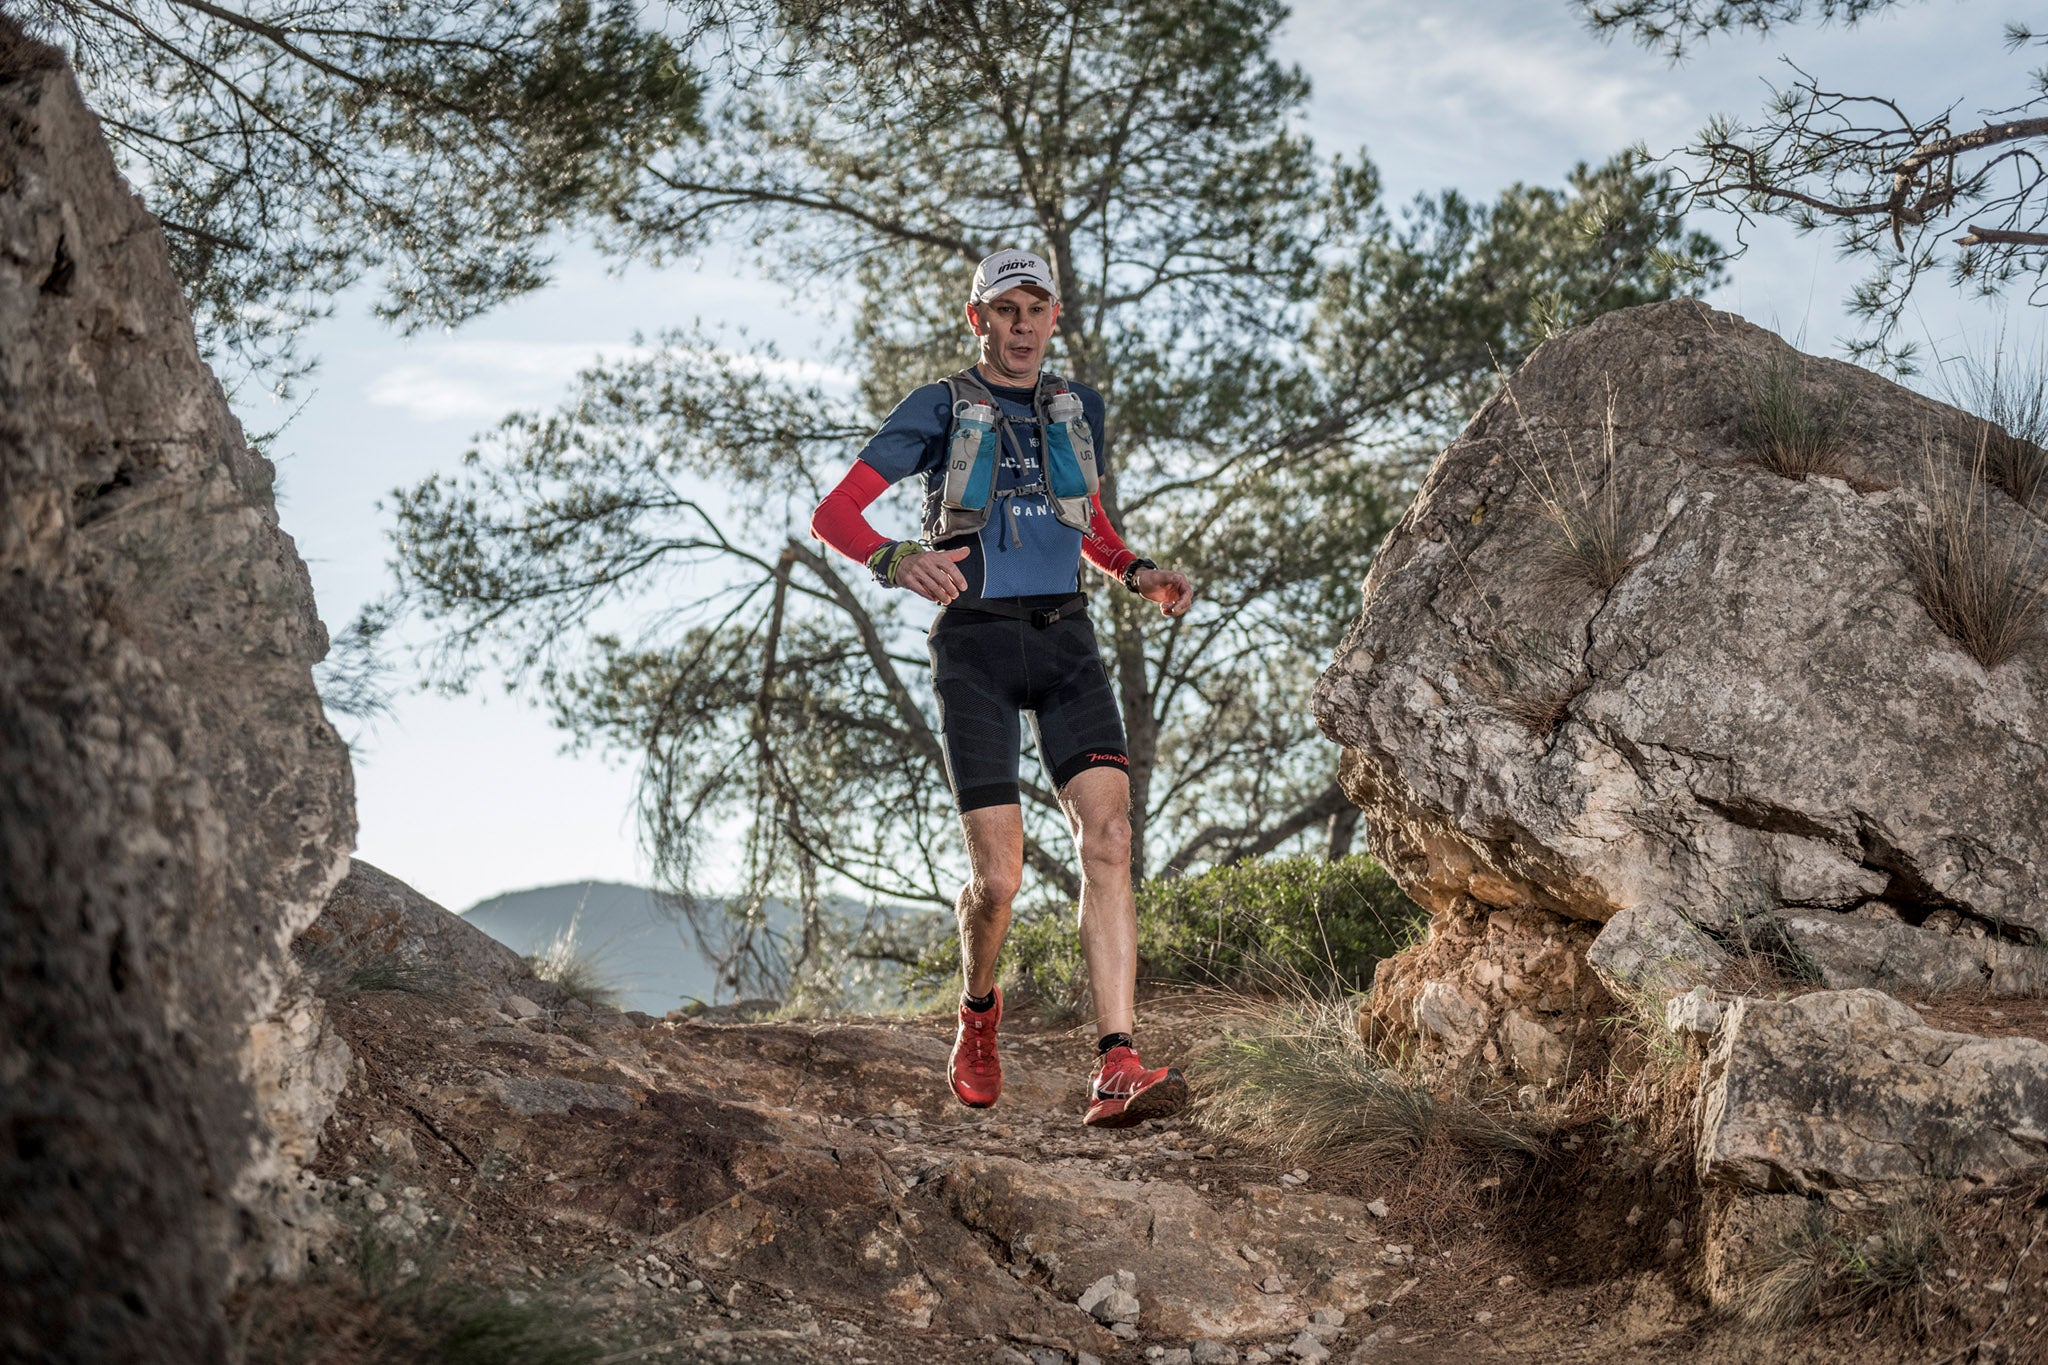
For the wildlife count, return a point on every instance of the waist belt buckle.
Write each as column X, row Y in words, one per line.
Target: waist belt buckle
column 1045, row 616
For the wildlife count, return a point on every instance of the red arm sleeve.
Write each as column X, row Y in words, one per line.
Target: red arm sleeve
column 838, row 521
column 1102, row 546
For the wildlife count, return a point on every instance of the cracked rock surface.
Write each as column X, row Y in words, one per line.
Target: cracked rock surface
column 1851, row 1090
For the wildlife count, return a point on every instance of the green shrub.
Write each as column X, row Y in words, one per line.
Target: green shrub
column 1268, row 919
column 1258, row 923
column 1042, row 966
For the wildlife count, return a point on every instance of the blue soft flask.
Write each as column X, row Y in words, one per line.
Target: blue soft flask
column 971, row 457
column 1068, row 442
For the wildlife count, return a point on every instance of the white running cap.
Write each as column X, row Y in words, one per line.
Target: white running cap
column 1012, row 269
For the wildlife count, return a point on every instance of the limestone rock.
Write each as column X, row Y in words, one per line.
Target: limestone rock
column 1849, row 950
column 1111, row 1299
column 300, row 1067
column 1193, row 1282
column 1758, row 718
column 1649, row 949
column 1699, row 1013
column 1851, row 1090
column 174, row 807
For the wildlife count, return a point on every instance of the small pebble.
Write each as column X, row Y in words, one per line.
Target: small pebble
column 1377, row 1208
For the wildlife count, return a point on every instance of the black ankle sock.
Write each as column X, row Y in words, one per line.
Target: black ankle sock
column 980, row 1004
column 1110, row 1040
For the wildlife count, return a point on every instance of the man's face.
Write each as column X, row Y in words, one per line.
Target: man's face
column 1014, row 329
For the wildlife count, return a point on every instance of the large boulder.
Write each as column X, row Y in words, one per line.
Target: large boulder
column 173, row 805
column 1755, row 719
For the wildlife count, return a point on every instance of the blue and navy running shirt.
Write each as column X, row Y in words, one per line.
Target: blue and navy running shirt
column 1025, row 553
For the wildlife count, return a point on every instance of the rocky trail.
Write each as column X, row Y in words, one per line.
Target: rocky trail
column 812, row 1192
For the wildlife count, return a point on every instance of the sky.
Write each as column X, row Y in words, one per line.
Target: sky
column 469, row 796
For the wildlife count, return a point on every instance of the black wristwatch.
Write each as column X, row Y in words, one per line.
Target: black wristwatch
column 1129, row 577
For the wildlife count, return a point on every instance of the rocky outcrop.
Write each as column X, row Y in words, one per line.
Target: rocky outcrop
column 376, row 928
column 1850, row 1090
column 1746, row 717
column 173, row 805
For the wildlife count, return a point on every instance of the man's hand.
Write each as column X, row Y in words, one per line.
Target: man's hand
column 934, row 575
column 1170, row 590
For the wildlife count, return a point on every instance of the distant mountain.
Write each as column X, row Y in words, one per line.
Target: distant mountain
column 639, row 941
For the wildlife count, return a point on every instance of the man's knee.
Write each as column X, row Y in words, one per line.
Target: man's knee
column 992, row 889
column 1106, row 843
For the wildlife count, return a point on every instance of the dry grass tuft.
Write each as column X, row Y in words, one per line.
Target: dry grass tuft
column 1595, row 528
column 1296, row 1076
column 1764, row 960
column 1788, row 434
column 2010, row 401
column 1538, row 709
column 1982, row 580
column 575, row 970
column 1834, row 1265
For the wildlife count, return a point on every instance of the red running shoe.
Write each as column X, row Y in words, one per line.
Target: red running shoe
column 1126, row 1094
column 974, row 1071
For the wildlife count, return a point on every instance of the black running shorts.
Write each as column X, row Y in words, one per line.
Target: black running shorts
column 988, row 670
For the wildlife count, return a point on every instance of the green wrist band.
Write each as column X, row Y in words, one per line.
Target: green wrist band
column 884, row 562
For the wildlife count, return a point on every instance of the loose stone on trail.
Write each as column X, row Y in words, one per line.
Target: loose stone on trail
column 1112, row 1299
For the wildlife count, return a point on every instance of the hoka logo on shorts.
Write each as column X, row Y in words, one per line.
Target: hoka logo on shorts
column 1110, row 758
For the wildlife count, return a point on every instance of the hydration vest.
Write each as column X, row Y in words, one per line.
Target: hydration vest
column 1067, row 470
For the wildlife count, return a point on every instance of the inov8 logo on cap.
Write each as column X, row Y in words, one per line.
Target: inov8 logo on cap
column 1012, row 269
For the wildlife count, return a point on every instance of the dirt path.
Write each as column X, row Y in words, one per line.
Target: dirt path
column 811, row 1192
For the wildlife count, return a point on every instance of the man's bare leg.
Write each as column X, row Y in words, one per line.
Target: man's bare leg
column 1123, row 1091
column 1098, row 806
column 995, row 861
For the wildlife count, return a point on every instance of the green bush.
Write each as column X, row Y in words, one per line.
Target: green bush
column 1258, row 923
column 1268, row 919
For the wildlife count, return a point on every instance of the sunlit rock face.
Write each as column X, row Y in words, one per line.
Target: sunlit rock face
column 173, row 805
column 1755, row 721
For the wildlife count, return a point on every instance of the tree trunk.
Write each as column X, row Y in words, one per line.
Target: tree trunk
column 1343, row 828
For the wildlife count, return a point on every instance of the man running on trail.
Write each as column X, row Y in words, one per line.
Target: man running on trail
column 1009, row 461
